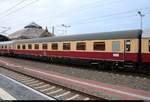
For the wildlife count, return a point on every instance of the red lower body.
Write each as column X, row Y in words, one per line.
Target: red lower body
column 133, row 57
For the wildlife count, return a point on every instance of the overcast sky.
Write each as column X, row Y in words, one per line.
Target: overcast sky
column 83, row 16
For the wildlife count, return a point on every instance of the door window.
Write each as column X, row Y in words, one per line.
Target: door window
column 128, row 45
column 116, row 46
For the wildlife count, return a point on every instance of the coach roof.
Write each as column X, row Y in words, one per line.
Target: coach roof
column 130, row 34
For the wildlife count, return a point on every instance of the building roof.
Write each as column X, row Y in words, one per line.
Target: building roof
column 4, row 38
column 129, row 34
column 33, row 25
column 31, row 31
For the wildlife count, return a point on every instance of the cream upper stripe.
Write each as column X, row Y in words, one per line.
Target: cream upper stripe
column 5, row 96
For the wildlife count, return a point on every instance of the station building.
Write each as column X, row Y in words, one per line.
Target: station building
column 30, row 31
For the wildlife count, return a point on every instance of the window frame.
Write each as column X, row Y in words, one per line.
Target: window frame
column 18, row 47
column 30, row 46
column 45, row 47
column 128, row 44
column 66, row 47
column 117, row 46
column 81, row 44
column 102, row 48
column 36, row 47
column 23, row 46
column 54, row 48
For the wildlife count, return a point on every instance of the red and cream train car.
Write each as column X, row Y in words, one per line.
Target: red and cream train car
column 107, row 50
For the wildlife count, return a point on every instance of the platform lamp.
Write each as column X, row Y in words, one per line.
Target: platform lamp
column 141, row 15
column 65, row 26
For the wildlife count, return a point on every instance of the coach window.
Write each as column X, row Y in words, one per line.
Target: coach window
column 45, row 46
column 149, row 45
column 128, row 45
column 29, row 46
column 23, row 47
column 36, row 46
column 18, row 46
column 81, row 46
column 54, row 46
column 116, row 46
column 99, row 46
column 66, row 46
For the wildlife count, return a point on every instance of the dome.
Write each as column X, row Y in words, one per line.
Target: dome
column 33, row 25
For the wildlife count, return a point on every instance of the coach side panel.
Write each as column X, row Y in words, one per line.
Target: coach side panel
column 146, row 50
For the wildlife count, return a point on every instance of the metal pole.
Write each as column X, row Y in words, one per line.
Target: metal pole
column 53, row 31
column 141, row 15
column 65, row 26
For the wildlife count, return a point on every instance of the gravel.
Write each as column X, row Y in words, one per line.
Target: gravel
column 131, row 81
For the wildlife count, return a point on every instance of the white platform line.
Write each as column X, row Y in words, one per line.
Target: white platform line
column 5, row 96
column 73, row 97
column 49, row 98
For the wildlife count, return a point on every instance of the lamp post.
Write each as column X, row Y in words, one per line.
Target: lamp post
column 141, row 15
column 66, row 26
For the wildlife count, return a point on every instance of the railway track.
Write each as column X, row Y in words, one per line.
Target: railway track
column 56, row 91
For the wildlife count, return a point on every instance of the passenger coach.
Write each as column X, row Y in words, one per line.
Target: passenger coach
column 106, row 50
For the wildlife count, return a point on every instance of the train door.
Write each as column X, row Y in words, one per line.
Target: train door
column 127, row 50
column 116, row 50
column 45, row 48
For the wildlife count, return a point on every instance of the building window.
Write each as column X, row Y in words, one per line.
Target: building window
column 81, row 46
column 128, row 45
column 54, row 46
column 149, row 45
column 66, row 46
column 45, row 46
column 18, row 47
column 29, row 46
column 99, row 46
column 36, row 46
column 116, row 46
column 23, row 47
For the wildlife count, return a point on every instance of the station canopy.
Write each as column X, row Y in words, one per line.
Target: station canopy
column 4, row 38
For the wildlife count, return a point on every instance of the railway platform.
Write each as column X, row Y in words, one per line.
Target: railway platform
column 106, row 91
column 13, row 90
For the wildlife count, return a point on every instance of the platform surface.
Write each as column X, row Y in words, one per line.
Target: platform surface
column 13, row 90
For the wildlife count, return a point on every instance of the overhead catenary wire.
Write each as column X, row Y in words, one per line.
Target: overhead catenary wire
column 134, row 11
column 81, row 9
column 9, row 9
column 84, row 8
column 103, row 17
column 19, row 9
column 101, row 20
